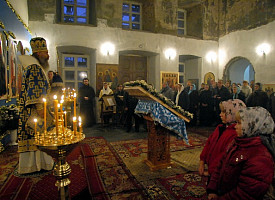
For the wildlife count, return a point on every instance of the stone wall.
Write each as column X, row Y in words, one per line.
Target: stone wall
column 208, row 19
column 222, row 17
column 38, row 8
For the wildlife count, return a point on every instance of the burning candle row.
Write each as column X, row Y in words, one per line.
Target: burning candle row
column 61, row 130
column 69, row 94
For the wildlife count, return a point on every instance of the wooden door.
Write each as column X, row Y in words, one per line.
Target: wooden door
column 132, row 68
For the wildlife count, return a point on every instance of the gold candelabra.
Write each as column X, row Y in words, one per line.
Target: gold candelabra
column 60, row 141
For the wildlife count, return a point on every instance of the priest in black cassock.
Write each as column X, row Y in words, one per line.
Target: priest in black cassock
column 86, row 96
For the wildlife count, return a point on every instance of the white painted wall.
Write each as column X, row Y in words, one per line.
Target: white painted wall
column 244, row 43
column 21, row 8
column 93, row 37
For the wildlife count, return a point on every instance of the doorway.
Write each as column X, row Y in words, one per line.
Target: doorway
column 132, row 67
column 239, row 69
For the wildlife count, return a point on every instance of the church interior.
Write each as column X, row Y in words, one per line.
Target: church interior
column 142, row 45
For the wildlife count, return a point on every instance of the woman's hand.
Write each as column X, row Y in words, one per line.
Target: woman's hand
column 212, row 196
column 201, row 168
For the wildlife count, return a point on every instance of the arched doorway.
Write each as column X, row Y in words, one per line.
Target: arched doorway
column 239, row 69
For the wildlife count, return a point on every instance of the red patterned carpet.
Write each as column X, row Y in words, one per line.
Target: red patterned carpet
column 185, row 186
column 41, row 185
column 133, row 148
column 100, row 171
column 96, row 172
column 179, row 182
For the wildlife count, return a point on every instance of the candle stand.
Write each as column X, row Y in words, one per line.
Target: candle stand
column 59, row 148
column 58, row 143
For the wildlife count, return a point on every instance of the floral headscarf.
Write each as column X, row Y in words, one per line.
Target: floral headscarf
column 257, row 121
column 231, row 107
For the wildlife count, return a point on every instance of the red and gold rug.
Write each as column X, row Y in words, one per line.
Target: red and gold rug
column 42, row 185
column 185, row 186
column 133, row 148
column 116, row 171
column 97, row 172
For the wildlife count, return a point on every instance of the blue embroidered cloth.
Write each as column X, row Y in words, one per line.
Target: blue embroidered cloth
column 163, row 116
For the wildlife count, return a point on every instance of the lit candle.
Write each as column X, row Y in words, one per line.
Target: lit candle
column 61, row 111
column 45, row 114
column 35, row 130
column 80, row 125
column 35, row 125
column 75, row 105
column 65, row 113
column 74, row 125
column 64, row 91
column 55, row 104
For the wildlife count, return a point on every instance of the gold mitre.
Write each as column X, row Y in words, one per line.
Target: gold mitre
column 38, row 44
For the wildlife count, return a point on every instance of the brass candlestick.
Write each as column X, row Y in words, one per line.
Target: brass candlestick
column 58, row 143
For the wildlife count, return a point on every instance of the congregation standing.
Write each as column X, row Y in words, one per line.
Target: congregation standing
column 238, row 157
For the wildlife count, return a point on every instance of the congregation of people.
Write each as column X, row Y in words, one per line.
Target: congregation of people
column 238, row 157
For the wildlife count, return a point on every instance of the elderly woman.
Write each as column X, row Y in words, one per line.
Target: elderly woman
column 247, row 168
column 224, row 134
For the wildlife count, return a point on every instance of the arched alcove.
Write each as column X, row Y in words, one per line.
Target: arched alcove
column 239, row 69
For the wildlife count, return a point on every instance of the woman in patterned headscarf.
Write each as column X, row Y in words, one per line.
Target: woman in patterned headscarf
column 218, row 141
column 247, row 168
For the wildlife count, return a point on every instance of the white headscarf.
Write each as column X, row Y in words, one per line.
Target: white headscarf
column 107, row 91
column 178, row 94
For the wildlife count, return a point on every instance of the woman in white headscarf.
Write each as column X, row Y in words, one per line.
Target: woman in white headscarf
column 246, row 170
column 182, row 98
column 106, row 90
column 106, row 111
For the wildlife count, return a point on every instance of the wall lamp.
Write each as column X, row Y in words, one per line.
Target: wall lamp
column 170, row 53
column 263, row 49
column 211, row 56
column 107, row 49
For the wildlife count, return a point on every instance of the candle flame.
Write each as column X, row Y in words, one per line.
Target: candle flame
column 58, row 105
column 35, row 120
column 79, row 119
column 44, row 100
column 62, row 101
column 65, row 112
column 74, row 94
column 74, row 119
column 54, row 96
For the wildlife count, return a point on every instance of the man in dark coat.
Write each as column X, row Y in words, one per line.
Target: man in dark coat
column 222, row 95
column 194, row 102
column 167, row 91
column 86, row 96
column 258, row 97
column 206, row 106
column 119, row 97
column 130, row 103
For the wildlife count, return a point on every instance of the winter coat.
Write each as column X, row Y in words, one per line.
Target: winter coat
column 245, row 171
column 216, row 145
column 184, row 100
column 239, row 95
column 257, row 98
column 168, row 92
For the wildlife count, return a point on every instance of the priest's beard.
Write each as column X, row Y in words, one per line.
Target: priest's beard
column 44, row 63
